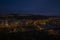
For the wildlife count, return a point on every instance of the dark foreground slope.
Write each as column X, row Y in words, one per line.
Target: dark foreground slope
column 32, row 35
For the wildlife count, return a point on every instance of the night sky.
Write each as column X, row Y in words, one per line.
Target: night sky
column 38, row 7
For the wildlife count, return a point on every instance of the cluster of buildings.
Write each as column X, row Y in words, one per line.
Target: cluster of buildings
column 21, row 22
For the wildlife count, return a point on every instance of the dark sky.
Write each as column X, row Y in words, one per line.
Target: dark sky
column 39, row 7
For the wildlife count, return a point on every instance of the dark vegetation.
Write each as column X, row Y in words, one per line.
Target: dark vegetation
column 31, row 35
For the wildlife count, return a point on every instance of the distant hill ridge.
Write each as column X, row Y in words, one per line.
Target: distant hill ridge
column 21, row 16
